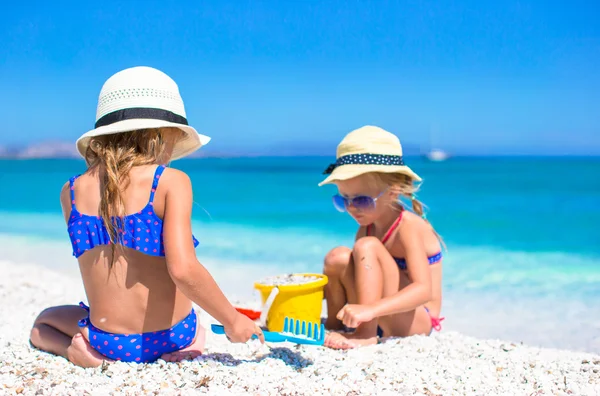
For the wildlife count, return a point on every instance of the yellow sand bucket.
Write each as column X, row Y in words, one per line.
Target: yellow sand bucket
column 302, row 302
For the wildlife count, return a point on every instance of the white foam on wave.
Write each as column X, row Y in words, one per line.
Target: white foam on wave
column 281, row 247
column 284, row 250
column 235, row 277
column 47, row 225
column 524, row 273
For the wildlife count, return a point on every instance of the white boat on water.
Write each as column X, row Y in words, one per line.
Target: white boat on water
column 437, row 155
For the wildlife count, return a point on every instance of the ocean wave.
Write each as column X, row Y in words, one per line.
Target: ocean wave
column 283, row 250
column 539, row 298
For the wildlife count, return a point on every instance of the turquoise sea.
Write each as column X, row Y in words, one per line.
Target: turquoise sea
column 523, row 260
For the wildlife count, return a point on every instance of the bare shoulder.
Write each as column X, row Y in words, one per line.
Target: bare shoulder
column 65, row 199
column 175, row 177
column 414, row 228
column 413, row 222
column 65, row 191
column 176, row 181
column 178, row 196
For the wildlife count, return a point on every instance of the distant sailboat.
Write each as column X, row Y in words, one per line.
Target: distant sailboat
column 435, row 154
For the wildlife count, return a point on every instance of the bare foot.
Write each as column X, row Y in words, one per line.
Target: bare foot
column 81, row 353
column 190, row 353
column 336, row 340
column 358, row 341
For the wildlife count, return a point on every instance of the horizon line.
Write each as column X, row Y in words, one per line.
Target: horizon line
column 262, row 156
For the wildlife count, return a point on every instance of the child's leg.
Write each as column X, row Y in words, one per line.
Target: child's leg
column 336, row 263
column 376, row 276
column 409, row 323
column 56, row 330
column 373, row 275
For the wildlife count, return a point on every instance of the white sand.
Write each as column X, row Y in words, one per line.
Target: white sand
column 444, row 364
column 287, row 279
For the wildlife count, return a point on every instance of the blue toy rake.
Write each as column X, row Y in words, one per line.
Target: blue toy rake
column 296, row 331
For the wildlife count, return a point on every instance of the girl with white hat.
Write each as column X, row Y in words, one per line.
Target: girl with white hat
column 390, row 282
column 129, row 221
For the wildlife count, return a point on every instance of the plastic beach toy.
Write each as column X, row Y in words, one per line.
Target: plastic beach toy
column 303, row 302
column 296, row 331
column 250, row 313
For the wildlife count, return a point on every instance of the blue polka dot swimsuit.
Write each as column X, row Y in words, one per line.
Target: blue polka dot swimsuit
column 142, row 231
column 144, row 347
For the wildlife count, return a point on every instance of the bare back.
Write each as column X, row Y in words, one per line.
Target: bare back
column 136, row 294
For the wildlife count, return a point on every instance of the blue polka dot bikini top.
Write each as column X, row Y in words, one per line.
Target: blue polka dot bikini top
column 142, row 231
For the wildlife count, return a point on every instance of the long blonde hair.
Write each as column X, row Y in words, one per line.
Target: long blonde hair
column 114, row 155
column 402, row 186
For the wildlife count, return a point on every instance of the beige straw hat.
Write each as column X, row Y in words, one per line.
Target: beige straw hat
column 142, row 98
column 367, row 149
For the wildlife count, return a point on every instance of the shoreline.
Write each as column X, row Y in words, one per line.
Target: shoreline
column 558, row 317
column 445, row 363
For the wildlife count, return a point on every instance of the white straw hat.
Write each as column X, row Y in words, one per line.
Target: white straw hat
column 368, row 149
column 142, row 98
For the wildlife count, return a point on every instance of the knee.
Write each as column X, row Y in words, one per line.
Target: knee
column 336, row 261
column 42, row 317
column 366, row 243
column 38, row 323
column 34, row 334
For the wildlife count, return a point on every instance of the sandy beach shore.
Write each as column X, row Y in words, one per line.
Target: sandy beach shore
column 445, row 364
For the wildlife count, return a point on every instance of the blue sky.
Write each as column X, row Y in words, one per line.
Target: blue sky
column 489, row 77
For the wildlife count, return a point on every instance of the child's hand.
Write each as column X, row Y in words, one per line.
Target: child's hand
column 352, row 315
column 242, row 329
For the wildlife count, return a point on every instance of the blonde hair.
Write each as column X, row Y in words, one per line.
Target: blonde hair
column 403, row 186
column 116, row 154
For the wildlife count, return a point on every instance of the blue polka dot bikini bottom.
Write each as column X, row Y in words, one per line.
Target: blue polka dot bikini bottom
column 141, row 348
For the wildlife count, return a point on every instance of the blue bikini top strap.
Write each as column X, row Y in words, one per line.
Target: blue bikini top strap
column 72, row 190
column 157, row 174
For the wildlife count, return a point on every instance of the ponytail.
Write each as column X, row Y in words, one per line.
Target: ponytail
column 417, row 207
column 116, row 165
column 114, row 155
column 404, row 187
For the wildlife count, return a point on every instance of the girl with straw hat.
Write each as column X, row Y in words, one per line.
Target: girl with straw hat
column 390, row 282
column 129, row 222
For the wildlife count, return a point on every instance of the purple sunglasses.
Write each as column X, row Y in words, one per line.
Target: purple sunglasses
column 361, row 202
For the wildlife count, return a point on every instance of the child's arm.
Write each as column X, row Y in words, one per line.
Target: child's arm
column 416, row 294
column 188, row 274
column 419, row 291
